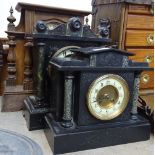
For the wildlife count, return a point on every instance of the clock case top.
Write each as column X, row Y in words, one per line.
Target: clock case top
column 99, row 59
column 87, row 65
column 63, row 35
column 145, row 2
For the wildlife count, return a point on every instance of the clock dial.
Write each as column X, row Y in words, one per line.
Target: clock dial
column 65, row 51
column 52, row 25
column 108, row 97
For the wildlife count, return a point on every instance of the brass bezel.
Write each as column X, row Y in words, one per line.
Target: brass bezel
column 124, row 103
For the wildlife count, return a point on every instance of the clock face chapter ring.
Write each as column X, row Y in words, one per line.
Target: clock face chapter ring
column 65, row 51
column 108, row 97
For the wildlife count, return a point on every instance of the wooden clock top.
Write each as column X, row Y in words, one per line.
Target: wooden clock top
column 142, row 2
column 28, row 6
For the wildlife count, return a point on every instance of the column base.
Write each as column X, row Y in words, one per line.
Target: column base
column 34, row 116
column 91, row 137
column 13, row 97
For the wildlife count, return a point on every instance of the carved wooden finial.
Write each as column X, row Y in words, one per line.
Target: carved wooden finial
column 87, row 20
column 11, row 10
column 11, row 19
column 11, row 60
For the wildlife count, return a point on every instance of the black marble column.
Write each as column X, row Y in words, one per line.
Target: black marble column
column 135, row 96
column 68, row 101
column 40, row 88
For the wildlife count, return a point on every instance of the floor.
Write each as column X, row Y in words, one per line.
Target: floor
column 15, row 122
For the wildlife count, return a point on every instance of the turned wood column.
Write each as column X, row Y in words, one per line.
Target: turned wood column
column 11, row 59
column 28, row 74
column 68, row 100
column 135, row 96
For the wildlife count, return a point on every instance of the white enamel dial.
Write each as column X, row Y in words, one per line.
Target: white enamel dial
column 107, row 97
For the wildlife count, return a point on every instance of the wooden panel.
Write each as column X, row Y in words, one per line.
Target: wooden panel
column 4, row 67
column 142, row 9
column 143, row 55
column 138, row 38
column 123, row 25
column 4, row 73
column 140, row 22
column 20, row 51
column 112, row 12
column 147, row 80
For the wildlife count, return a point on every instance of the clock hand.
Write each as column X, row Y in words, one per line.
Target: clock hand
column 105, row 97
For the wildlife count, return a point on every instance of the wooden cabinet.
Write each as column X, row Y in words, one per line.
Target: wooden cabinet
column 132, row 29
column 19, row 80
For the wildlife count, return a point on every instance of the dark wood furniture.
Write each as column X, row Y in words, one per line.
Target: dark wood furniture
column 19, row 81
column 1, row 65
column 132, row 29
column 3, row 62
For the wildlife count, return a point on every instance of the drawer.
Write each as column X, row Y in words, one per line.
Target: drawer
column 147, row 80
column 139, row 38
column 142, row 9
column 140, row 22
column 143, row 55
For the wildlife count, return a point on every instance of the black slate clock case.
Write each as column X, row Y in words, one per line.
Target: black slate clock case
column 46, row 44
column 64, row 35
column 82, row 81
column 68, row 124
column 85, row 131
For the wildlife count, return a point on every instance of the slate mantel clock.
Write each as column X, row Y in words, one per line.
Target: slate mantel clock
column 48, row 43
column 97, row 106
column 86, row 95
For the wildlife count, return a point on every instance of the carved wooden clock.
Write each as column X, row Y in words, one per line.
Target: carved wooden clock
column 92, row 93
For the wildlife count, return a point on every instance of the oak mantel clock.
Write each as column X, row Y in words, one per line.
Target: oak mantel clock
column 97, row 105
